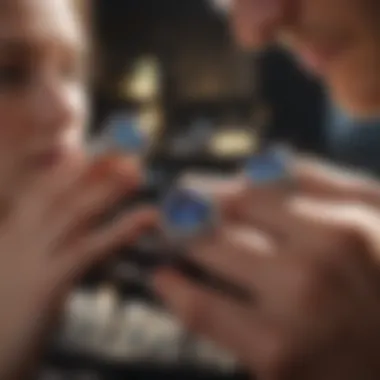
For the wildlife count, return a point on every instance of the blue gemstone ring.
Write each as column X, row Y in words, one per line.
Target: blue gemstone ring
column 268, row 167
column 124, row 134
column 187, row 214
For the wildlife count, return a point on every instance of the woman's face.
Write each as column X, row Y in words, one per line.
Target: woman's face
column 42, row 85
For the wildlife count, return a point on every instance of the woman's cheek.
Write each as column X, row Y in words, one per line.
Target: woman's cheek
column 78, row 100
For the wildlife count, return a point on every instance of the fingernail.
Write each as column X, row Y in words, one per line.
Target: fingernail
column 269, row 166
column 187, row 214
column 209, row 184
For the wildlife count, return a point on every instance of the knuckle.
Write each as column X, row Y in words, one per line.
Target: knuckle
column 352, row 217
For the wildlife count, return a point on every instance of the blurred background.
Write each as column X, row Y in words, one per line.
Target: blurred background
column 205, row 103
column 173, row 67
column 173, row 64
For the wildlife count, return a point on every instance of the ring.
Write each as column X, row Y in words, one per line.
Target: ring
column 270, row 166
column 126, row 135
column 121, row 134
column 187, row 214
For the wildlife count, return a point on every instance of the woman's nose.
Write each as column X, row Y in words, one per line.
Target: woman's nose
column 56, row 106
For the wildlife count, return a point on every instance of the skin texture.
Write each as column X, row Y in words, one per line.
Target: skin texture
column 336, row 40
column 309, row 258
column 51, row 194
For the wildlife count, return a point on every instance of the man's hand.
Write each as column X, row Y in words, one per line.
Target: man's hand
column 311, row 261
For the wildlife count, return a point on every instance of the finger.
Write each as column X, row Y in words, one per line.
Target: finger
column 35, row 197
column 76, row 259
column 119, row 168
column 345, row 237
column 267, row 207
column 242, row 202
column 212, row 185
column 237, row 254
column 254, row 262
column 347, row 221
column 98, row 195
column 315, row 178
column 312, row 177
column 242, row 331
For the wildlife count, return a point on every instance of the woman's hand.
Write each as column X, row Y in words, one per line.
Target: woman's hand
column 309, row 259
column 49, row 236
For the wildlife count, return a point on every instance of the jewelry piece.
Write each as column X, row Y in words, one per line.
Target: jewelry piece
column 121, row 134
column 187, row 214
column 268, row 167
column 126, row 135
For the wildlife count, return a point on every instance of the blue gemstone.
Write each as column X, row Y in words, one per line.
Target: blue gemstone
column 187, row 212
column 267, row 167
column 126, row 135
